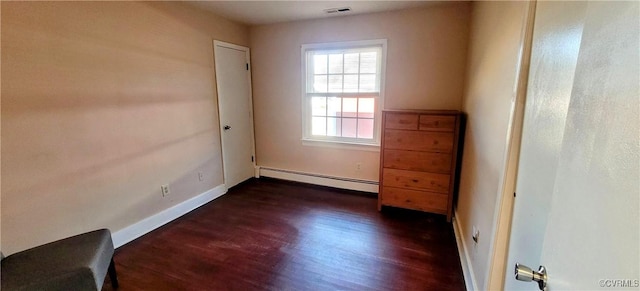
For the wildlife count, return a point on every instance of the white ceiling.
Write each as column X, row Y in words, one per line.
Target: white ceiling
column 267, row 12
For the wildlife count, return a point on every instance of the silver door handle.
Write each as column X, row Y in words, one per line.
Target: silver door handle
column 524, row 273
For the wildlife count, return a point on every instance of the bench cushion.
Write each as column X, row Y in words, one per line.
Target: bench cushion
column 76, row 263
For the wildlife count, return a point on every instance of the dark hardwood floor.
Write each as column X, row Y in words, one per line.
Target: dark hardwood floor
column 269, row 234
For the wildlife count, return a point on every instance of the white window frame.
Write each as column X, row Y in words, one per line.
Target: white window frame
column 343, row 142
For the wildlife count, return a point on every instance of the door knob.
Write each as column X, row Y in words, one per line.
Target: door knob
column 524, row 273
column 226, row 127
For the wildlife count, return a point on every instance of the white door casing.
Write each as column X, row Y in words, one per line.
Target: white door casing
column 577, row 206
column 233, row 81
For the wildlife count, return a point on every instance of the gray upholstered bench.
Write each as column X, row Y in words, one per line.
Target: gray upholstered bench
column 76, row 263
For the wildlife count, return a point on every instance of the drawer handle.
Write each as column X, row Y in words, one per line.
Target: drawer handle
column 415, row 180
column 436, row 123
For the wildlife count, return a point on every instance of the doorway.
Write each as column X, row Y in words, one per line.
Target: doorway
column 235, row 108
column 576, row 207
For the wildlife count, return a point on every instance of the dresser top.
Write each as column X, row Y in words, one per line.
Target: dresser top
column 423, row 111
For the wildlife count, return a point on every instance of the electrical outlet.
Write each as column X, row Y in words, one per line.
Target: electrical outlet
column 358, row 166
column 165, row 190
column 200, row 176
column 476, row 234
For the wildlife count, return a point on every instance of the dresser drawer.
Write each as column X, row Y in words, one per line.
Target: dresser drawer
column 437, row 123
column 416, row 180
column 417, row 161
column 418, row 140
column 418, row 200
column 401, row 121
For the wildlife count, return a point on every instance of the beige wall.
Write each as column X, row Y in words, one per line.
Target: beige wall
column 426, row 59
column 103, row 102
column 494, row 45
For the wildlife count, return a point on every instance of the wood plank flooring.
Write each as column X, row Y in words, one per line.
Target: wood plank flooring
column 268, row 234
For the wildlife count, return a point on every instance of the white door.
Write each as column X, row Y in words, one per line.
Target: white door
column 577, row 202
column 235, row 110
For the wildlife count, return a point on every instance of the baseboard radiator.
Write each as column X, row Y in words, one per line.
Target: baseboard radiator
column 319, row 179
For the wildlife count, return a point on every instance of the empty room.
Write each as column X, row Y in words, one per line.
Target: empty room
column 319, row 145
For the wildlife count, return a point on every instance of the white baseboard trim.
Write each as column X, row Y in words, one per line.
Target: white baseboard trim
column 463, row 252
column 144, row 226
column 323, row 180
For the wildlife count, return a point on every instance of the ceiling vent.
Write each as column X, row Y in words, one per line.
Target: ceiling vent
column 337, row 10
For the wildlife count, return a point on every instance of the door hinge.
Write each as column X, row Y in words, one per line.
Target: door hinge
column 247, row 66
column 514, row 194
column 252, row 159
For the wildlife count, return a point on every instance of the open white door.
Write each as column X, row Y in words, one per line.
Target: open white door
column 576, row 210
column 233, row 78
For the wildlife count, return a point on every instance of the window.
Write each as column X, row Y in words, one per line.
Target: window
column 342, row 91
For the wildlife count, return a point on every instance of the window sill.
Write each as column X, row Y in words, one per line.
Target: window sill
column 341, row 145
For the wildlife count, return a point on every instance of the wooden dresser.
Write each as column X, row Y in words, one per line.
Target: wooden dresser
column 418, row 159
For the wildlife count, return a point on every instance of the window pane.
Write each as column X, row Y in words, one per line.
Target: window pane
column 351, row 83
column 342, row 92
column 319, row 64
column 318, row 106
column 368, row 83
column 365, row 128
column 320, row 84
column 351, row 62
column 335, row 83
column 334, row 126
column 319, row 126
column 334, row 106
column 335, row 64
column 368, row 62
column 350, row 107
column 366, row 107
column 349, row 127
